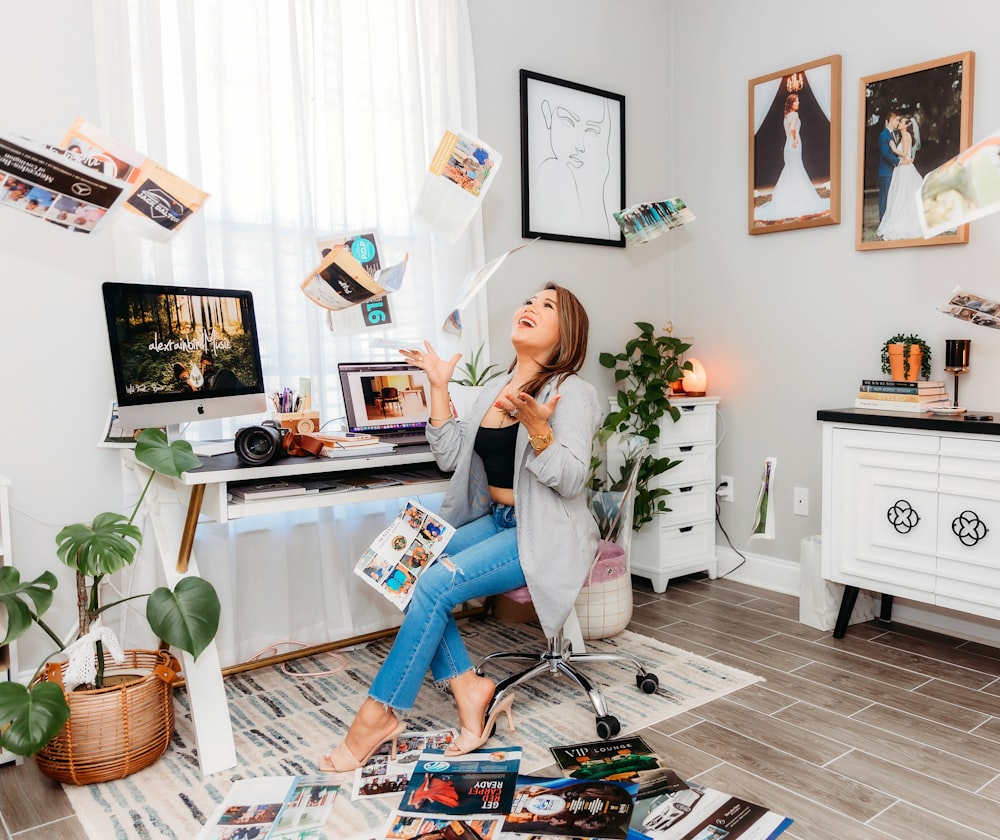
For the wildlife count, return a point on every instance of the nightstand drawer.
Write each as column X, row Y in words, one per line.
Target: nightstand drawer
column 697, row 463
column 685, row 543
column 688, row 503
column 696, row 423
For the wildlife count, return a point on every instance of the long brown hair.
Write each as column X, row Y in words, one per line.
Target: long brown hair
column 570, row 353
column 790, row 100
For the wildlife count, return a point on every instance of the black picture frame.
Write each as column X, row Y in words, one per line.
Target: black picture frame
column 571, row 201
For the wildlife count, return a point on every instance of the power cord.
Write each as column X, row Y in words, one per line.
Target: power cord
column 718, row 521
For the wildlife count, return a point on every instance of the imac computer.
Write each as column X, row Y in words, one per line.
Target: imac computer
column 182, row 354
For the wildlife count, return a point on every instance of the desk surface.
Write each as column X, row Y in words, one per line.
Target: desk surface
column 227, row 467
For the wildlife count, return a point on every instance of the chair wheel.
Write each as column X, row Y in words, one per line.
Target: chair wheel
column 647, row 682
column 607, row 727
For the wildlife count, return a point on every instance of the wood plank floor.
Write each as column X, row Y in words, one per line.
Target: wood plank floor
column 891, row 732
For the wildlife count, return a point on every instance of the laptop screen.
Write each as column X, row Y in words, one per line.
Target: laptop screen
column 385, row 398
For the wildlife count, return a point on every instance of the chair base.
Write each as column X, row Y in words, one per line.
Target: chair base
column 558, row 658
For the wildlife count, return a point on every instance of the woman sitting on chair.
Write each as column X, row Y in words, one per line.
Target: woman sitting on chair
column 526, row 447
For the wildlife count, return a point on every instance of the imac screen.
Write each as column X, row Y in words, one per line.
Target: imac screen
column 181, row 354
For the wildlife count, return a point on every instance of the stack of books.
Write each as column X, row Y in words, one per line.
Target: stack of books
column 893, row 395
column 337, row 444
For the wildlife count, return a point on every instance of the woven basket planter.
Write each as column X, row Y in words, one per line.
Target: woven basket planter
column 117, row 730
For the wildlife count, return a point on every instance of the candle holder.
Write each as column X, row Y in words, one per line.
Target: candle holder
column 956, row 359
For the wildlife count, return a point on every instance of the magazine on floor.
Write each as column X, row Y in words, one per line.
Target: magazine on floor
column 401, row 553
column 273, row 807
column 619, row 760
column 381, row 776
column 701, row 813
column 456, row 797
column 563, row 807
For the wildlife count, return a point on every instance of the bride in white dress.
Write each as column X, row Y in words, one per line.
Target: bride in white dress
column 902, row 218
column 794, row 194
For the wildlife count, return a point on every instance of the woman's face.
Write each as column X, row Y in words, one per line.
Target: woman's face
column 536, row 324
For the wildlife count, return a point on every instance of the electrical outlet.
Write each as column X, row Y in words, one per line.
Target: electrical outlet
column 800, row 503
column 725, row 491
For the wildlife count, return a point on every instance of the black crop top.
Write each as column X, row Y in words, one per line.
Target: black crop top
column 496, row 448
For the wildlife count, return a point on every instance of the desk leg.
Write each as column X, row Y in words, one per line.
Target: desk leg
column 174, row 532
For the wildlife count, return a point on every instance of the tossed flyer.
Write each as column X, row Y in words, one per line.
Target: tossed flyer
column 642, row 222
column 366, row 248
column 471, row 286
column 401, row 553
column 341, row 281
column 461, row 171
column 964, row 188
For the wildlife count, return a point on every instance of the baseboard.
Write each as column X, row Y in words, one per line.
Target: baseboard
column 779, row 575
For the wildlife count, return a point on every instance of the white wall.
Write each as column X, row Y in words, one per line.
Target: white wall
column 786, row 323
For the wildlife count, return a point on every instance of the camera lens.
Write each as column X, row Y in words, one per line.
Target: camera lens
column 257, row 445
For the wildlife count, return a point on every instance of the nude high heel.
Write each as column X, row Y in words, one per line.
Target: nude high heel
column 467, row 741
column 342, row 760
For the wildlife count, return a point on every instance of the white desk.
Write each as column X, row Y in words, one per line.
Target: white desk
column 174, row 508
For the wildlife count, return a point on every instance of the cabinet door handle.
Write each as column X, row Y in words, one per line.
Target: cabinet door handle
column 902, row 517
column 686, row 528
column 688, row 407
column 969, row 528
column 685, row 448
column 687, row 489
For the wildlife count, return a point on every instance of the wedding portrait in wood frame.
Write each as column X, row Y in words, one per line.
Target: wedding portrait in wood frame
column 912, row 120
column 794, row 143
column 572, row 161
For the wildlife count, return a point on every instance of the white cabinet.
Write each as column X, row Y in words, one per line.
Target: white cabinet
column 8, row 653
column 913, row 513
column 682, row 541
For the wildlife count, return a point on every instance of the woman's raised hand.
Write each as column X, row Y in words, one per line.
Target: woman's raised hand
column 439, row 371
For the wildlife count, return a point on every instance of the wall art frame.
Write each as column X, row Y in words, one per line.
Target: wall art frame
column 572, row 161
column 936, row 96
column 794, row 147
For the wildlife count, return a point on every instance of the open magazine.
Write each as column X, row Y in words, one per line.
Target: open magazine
column 382, row 776
column 273, row 807
column 401, row 553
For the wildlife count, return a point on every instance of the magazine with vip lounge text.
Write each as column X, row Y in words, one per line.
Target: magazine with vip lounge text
column 620, row 760
column 456, row 797
column 401, row 553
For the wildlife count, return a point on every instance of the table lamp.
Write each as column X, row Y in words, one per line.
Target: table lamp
column 956, row 359
column 695, row 380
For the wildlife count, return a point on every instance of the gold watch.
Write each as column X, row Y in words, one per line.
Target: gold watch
column 539, row 442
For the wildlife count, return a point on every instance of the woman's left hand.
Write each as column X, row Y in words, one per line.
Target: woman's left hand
column 530, row 413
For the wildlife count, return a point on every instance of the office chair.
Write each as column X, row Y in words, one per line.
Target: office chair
column 391, row 395
column 613, row 509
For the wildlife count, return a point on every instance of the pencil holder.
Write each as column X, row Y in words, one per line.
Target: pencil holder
column 300, row 422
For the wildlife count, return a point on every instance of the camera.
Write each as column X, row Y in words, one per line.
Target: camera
column 259, row 445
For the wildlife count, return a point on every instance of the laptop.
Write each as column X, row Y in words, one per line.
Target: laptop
column 388, row 399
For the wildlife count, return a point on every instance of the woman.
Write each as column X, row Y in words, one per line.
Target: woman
column 794, row 194
column 524, row 446
column 902, row 218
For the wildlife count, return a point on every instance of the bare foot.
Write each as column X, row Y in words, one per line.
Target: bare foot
column 473, row 694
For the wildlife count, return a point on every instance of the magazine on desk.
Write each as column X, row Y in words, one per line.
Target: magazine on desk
column 401, row 553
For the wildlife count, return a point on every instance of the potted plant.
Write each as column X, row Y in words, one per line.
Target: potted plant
column 471, row 377
column 906, row 357
column 644, row 373
column 36, row 717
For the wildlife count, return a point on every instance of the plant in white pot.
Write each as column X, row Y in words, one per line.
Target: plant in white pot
column 38, row 719
column 470, row 378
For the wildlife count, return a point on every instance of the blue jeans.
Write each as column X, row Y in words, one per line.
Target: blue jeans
column 481, row 560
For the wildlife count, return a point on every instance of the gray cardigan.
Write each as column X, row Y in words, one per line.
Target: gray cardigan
column 556, row 530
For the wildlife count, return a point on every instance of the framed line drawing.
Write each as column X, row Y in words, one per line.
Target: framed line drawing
column 911, row 121
column 572, row 161
column 794, row 138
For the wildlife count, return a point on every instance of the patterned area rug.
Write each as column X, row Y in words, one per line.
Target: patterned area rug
column 283, row 723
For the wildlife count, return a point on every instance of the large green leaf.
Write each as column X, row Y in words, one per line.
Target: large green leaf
column 35, row 715
column 15, row 596
column 108, row 544
column 188, row 617
column 170, row 459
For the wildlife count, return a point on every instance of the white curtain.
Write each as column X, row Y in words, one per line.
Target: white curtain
column 820, row 79
column 302, row 119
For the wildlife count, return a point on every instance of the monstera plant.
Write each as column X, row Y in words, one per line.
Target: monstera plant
column 186, row 617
